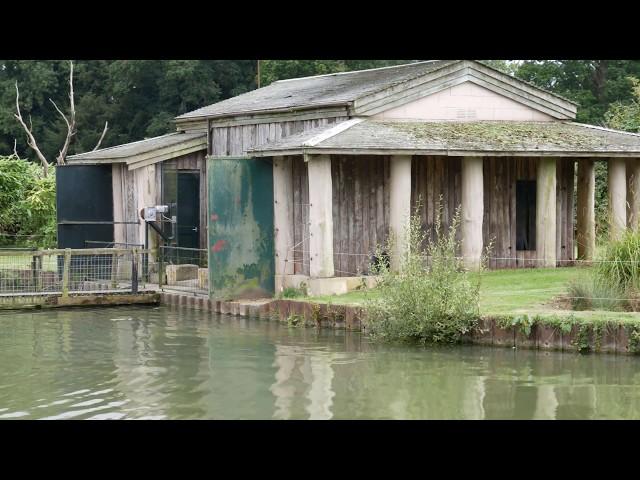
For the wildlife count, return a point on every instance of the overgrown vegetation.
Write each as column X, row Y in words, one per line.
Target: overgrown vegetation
column 27, row 204
column 614, row 283
column 432, row 299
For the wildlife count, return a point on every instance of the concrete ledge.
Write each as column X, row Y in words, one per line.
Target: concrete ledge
column 177, row 273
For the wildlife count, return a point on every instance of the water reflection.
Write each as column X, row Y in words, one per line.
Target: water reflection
column 155, row 363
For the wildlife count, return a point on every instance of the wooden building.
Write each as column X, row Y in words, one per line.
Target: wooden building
column 350, row 154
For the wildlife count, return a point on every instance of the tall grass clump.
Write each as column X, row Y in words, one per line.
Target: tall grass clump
column 432, row 298
column 615, row 281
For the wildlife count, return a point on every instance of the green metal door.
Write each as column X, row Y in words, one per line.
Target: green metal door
column 240, row 213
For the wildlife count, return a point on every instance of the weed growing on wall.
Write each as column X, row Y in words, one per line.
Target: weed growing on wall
column 432, row 298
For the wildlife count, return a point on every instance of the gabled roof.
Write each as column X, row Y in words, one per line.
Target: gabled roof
column 145, row 152
column 366, row 92
column 485, row 138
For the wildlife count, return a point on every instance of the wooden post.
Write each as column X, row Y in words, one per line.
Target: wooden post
column 320, row 216
column 65, row 272
column 134, row 270
column 39, row 271
column 114, row 270
column 585, row 209
column 472, row 210
column 283, row 214
column 399, row 207
column 617, row 197
column 633, row 192
column 546, row 212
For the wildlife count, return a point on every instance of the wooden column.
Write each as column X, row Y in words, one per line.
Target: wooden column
column 585, row 209
column 320, row 217
column 633, row 192
column 283, row 214
column 399, row 207
column 472, row 210
column 617, row 197
column 546, row 212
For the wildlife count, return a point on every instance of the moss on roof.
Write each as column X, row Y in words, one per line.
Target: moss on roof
column 502, row 133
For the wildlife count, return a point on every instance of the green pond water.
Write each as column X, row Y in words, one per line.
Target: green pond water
column 159, row 363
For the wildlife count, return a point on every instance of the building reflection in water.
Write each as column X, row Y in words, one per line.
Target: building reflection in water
column 302, row 375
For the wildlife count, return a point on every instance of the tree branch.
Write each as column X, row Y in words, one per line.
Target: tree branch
column 104, row 132
column 71, row 123
column 31, row 141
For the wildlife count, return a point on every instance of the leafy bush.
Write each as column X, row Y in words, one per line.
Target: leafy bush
column 432, row 299
column 27, row 204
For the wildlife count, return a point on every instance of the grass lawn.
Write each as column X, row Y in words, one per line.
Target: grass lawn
column 528, row 291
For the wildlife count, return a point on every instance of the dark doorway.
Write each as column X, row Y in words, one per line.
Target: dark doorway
column 188, row 199
column 525, row 215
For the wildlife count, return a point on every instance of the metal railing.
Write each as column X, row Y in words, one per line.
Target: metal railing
column 65, row 271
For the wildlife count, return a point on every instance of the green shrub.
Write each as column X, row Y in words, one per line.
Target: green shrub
column 292, row 292
column 615, row 281
column 27, row 204
column 433, row 299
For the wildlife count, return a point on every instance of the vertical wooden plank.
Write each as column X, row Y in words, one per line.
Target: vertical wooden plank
column 569, row 211
column 380, row 235
column 335, row 195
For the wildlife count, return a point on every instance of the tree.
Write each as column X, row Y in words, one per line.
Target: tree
column 69, row 120
column 626, row 115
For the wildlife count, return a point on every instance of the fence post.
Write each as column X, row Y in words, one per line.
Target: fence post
column 114, row 270
column 134, row 271
column 65, row 272
column 160, row 266
column 39, row 271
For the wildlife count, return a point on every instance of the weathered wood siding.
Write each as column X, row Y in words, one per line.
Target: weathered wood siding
column 499, row 224
column 135, row 189
column 234, row 141
column 360, row 190
column 433, row 177
column 196, row 162
column 360, row 186
column 436, row 181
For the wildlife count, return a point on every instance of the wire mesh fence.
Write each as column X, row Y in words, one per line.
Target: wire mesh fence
column 29, row 271
column 184, row 269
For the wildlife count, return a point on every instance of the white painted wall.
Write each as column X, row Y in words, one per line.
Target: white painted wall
column 464, row 102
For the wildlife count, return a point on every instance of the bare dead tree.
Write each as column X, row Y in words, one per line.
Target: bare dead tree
column 71, row 127
column 31, row 141
column 104, row 132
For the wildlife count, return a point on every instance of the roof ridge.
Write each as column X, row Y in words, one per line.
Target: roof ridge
column 596, row 127
column 354, row 71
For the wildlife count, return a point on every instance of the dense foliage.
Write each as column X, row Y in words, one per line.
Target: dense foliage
column 27, row 204
column 432, row 299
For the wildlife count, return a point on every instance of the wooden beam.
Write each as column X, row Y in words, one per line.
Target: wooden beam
column 320, row 217
column 585, row 209
column 399, row 207
column 546, row 213
column 283, row 214
column 633, row 192
column 472, row 210
column 617, row 183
